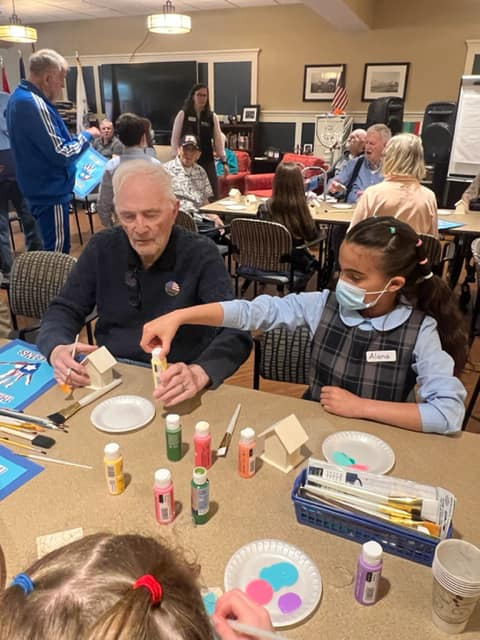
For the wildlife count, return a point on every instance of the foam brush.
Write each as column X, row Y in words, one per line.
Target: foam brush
column 225, row 443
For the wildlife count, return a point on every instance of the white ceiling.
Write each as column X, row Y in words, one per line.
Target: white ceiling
column 36, row 11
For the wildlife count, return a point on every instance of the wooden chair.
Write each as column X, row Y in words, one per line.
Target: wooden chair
column 35, row 279
column 262, row 253
column 283, row 356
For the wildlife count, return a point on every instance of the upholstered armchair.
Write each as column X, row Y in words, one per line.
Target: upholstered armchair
column 261, row 184
column 236, row 180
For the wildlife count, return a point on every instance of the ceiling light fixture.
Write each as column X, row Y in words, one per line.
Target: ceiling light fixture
column 169, row 22
column 15, row 31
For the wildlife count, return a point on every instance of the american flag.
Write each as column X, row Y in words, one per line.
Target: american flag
column 340, row 97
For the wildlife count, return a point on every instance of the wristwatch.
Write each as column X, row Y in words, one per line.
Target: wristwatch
column 225, row 163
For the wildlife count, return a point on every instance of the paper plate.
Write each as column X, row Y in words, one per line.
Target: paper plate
column 342, row 205
column 279, row 576
column 363, row 448
column 235, row 207
column 123, row 413
column 446, row 212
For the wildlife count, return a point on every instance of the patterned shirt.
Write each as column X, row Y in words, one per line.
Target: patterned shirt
column 190, row 184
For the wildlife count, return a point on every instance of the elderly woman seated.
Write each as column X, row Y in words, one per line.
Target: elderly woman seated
column 401, row 195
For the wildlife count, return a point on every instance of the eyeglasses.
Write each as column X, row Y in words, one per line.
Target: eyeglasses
column 133, row 288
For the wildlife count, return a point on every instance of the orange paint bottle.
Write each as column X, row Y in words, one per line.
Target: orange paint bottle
column 246, row 453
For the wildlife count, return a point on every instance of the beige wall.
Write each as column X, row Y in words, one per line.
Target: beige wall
column 429, row 34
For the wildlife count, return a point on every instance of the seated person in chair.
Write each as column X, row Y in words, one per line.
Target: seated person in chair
column 135, row 271
column 107, row 144
column 231, row 160
column 354, row 148
column 191, row 184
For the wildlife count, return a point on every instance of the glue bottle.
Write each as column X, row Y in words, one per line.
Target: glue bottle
column 173, row 434
column 369, row 570
column 200, row 495
column 163, row 493
column 202, row 442
column 113, row 461
column 246, row 453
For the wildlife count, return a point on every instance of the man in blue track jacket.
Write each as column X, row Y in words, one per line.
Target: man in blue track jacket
column 45, row 152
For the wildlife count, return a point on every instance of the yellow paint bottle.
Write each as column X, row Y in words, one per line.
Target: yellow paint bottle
column 159, row 364
column 113, row 461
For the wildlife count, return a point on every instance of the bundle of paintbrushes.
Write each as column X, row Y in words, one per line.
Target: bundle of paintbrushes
column 425, row 509
column 18, row 417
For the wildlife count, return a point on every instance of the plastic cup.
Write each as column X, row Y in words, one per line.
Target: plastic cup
column 456, row 584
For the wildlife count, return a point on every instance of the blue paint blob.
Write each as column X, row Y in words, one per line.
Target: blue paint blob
column 279, row 575
column 209, row 602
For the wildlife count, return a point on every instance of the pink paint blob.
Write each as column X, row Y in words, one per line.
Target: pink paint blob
column 260, row 591
column 289, row 602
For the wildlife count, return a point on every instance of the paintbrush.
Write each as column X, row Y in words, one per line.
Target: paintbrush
column 56, row 460
column 12, row 443
column 24, row 417
column 225, row 443
column 66, row 387
column 255, row 632
column 21, row 426
column 61, row 416
column 44, row 442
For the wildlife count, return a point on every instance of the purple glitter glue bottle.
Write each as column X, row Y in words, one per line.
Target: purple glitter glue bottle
column 368, row 573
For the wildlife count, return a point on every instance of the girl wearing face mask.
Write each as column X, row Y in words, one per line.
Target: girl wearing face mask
column 390, row 325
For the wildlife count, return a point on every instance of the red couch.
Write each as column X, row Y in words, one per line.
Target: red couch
column 261, row 184
column 236, row 180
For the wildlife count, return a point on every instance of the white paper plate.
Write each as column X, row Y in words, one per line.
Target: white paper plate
column 364, row 448
column 235, row 207
column 304, row 586
column 446, row 212
column 123, row 413
column 342, row 205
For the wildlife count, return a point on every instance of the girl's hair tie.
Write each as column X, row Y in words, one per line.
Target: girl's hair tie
column 393, row 230
column 153, row 585
column 419, row 242
column 23, row 581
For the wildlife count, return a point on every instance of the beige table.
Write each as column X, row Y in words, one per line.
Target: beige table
column 244, row 510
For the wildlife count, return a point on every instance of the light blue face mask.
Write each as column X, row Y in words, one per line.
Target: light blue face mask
column 351, row 297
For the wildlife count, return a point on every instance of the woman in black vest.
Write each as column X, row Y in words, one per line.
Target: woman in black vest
column 197, row 118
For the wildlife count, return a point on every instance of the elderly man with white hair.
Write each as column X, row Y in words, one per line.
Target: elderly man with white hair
column 142, row 268
column 45, row 152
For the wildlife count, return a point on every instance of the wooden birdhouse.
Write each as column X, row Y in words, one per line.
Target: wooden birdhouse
column 99, row 365
column 283, row 442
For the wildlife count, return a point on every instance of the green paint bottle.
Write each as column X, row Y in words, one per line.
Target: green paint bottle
column 173, row 434
column 200, row 495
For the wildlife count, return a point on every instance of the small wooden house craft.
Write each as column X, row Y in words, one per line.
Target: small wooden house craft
column 99, row 365
column 283, row 443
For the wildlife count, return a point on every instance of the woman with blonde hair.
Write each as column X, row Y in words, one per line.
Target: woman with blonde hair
column 400, row 194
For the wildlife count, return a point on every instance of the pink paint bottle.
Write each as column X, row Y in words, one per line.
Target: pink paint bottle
column 202, row 442
column 164, row 500
column 369, row 571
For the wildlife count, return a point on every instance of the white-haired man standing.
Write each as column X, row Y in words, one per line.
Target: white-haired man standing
column 45, row 152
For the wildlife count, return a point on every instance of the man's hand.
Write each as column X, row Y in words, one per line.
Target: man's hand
column 336, row 187
column 226, row 170
column 237, row 605
column 341, row 402
column 180, row 382
column 93, row 131
column 217, row 220
column 67, row 369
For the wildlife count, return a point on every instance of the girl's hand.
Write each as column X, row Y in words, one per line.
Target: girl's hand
column 160, row 333
column 341, row 402
column 235, row 604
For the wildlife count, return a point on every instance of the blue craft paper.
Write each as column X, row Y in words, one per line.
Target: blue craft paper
column 14, row 471
column 443, row 225
column 18, row 361
column 89, row 172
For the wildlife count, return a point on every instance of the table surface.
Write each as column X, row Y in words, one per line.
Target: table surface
column 328, row 213
column 243, row 510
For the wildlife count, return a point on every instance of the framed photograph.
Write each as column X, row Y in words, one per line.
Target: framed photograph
column 250, row 113
column 320, row 81
column 385, row 80
column 307, row 149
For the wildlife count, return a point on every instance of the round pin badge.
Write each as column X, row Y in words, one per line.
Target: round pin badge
column 172, row 288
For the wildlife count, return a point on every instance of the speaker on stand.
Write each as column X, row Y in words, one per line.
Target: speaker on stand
column 437, row 137
column 387, row 111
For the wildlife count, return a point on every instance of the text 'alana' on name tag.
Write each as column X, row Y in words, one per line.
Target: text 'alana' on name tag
column 381, row 356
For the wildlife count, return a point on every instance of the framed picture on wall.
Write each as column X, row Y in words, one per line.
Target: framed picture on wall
column 320, row 80
column 250, row 113
column 385, row 80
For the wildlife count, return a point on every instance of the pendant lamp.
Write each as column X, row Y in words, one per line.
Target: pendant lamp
column 15, row 31
column 169, row 22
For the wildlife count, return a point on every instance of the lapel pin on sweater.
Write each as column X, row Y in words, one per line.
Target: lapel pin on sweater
column 172, row 288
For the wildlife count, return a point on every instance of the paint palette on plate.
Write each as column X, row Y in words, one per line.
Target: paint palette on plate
column 278, row 576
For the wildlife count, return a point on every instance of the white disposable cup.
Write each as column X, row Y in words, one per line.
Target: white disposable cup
column 456, row 584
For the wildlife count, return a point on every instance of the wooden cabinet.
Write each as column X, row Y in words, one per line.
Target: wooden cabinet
column 241, row 137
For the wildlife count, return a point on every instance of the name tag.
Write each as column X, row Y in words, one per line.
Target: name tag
column 381, row 356
column 205, row 124
column 192, row 119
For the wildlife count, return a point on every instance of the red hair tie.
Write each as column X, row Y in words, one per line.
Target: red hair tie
column 153, row 585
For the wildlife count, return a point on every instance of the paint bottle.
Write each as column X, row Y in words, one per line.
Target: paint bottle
column 113, row 461
column 163, row 493
column 202, row 441
column 200, row 495
column 173, row 435
column 159, row 364
column 246, row 453
column 369, row 571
